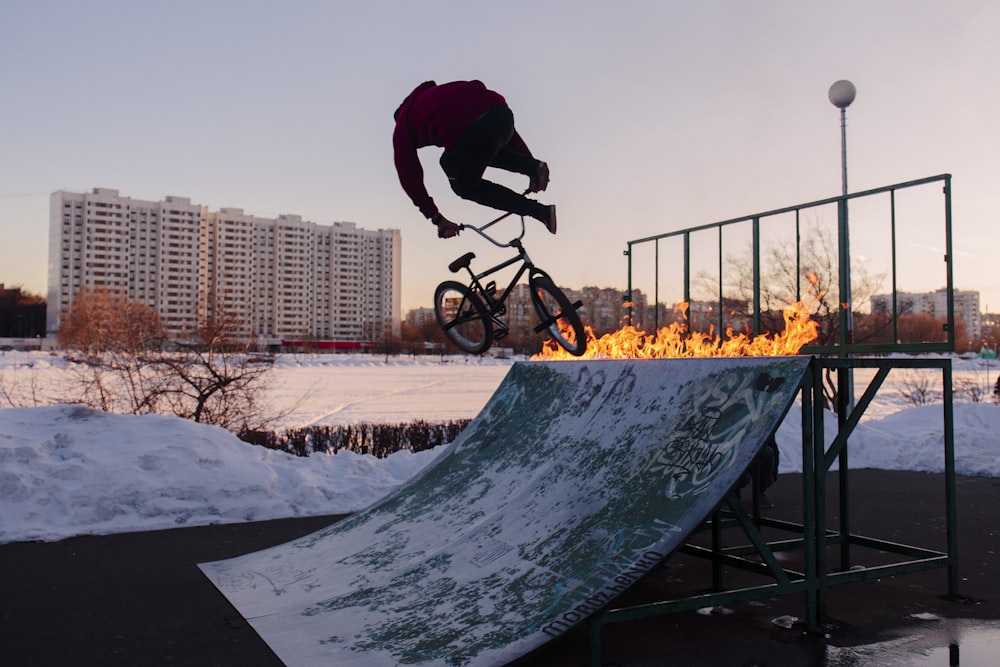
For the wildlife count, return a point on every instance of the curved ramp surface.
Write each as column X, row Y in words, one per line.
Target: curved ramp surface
column 575, row 479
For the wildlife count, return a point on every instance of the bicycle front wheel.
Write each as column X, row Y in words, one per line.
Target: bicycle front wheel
column 463, row 317
column 557, row 314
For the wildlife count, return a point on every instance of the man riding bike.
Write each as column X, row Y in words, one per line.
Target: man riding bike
column 475, row 127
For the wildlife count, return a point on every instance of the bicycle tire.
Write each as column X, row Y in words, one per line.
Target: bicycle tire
column 552, row 304
column 462, row 317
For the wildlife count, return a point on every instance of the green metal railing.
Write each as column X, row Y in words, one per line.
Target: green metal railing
column 813, row 537
column 845, row 343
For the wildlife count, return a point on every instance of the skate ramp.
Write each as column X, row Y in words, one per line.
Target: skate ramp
column 574, row 480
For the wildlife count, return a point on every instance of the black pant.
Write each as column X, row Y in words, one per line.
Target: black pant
column 485, row 144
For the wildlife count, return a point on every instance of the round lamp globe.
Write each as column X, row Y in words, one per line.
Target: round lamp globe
column 842, row 93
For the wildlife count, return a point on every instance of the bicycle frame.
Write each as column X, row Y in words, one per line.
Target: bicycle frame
column 480, row 303
column 493, row 303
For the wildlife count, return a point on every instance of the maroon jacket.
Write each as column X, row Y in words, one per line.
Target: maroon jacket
column 434, row 115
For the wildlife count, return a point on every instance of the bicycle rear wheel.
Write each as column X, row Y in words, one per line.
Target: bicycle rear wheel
column 553, row 309
column 463, row 317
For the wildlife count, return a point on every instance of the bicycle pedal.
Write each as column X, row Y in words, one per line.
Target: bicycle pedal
column 491, row 288
column 500, row 334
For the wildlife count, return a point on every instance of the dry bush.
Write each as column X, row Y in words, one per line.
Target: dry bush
column 915, row 386
column 379, row 440
column 123, row 362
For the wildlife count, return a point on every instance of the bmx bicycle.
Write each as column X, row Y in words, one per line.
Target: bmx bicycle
column 469, row 314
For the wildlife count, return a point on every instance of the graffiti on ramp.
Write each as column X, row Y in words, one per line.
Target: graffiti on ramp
column 574, row 480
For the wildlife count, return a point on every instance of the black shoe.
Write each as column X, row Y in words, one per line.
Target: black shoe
column 550, row 221
column 540, row 180
column 765, row 503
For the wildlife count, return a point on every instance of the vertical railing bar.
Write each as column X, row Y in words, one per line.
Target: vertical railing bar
column 818, row 473
column 949, row 263
column 756, row 276
column 951, row 509
column 656, row 285
column 721, row 297
column 798, row 257
column 687, row 279
column 895, row 294
column 843, row 269
column 809, row 533
column 844, row 410
column 628, row 293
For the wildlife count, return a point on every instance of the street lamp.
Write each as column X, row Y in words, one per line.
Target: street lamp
column 841, row 95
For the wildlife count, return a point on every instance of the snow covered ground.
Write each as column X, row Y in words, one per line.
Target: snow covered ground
column 67, row 470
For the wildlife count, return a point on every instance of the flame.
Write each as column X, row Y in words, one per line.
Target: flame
column 675, row 340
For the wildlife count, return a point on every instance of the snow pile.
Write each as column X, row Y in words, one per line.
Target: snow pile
column 68, row 470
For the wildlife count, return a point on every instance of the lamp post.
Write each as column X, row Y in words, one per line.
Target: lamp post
column 841, row 95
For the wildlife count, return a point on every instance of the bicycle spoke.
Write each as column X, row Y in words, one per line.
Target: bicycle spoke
column 558, row 315
column 462, row 317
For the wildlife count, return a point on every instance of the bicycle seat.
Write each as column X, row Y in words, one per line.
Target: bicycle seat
column 462, row 262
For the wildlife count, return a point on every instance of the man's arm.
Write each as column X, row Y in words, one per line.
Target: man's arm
column 411, row 173
column 517, row 143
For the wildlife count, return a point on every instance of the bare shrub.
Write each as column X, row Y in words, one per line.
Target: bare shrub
column 915, row 386
column 122, row 362
column 379, row 440
column 970, row 389
column 16, row 392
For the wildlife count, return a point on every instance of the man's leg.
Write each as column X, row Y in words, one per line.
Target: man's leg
column 482, row 145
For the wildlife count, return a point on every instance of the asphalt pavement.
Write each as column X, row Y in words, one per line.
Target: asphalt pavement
column 140, row 599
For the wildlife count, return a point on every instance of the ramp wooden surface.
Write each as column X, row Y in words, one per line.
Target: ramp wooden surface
column 575, row 479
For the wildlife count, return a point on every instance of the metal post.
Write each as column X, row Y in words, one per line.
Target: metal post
column 756, row 276
column 722, row 298
column 951, row 504
column 843, row 148
column 656, row 285
column 845, row 245
column 895, row 287
column 628, row 293
column 841, row 95
column 818, row 474
column 798, row 258
column 687, row 282
column 809, row 509
column 949, row 264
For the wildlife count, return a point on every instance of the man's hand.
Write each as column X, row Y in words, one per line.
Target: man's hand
column 540, row 180
column 446, row 228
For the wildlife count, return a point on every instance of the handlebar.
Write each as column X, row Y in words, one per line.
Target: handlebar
column 481, row 230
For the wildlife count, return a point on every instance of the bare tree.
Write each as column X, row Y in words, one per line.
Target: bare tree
column 216, row 379
column 100, row 320
column 110, row 338
column 813, row 273
column 124, row 363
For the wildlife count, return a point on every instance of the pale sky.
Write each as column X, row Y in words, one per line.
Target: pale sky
column 652, row 115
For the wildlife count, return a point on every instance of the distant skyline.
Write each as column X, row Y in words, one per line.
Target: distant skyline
column 652, row 116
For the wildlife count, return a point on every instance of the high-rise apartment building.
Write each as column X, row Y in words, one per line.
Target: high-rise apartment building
column 935, row 304
column 282, row 278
